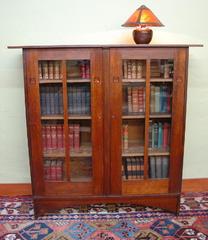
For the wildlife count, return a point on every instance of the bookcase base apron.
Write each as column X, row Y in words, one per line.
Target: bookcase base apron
column 42, row 205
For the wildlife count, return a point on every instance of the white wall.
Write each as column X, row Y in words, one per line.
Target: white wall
column 28, row 22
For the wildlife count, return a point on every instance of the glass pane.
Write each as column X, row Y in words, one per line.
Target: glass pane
column 159, row 135
column 133, row 136
column 133, row 168
column 160, row 98
column 49, row 70
column 79, row 99
column 162, row 68
column 81, row 169
column 80, row 138
column 133, row 98
column 53, row 169
column 78, row 69
column 158, row 167
column 51, row 99
column 134, row 69
column 53, row 138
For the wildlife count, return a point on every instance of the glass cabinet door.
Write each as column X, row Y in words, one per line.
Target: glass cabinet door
column 71, row 163
column 143, row 91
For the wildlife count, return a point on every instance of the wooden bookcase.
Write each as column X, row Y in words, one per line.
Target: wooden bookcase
column 105, row 124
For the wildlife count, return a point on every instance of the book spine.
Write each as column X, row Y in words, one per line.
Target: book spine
column 152, row 167
column 56, row 99
column 40, row 70
column 87, row 69
column 53, row 137
column 59, row 137
column 129, row 96
column 50, row 70
column 71, row 137
column 79, row 100
column 47, row 100
column 56, row 70
column 48, row 138
column 88, row 98
column 141, row 99
column 152, row 99
column 129, row 71
column 59, row 170
column 158, row 167
column 45, row 70
column 139, row 69
column 125, row 75
column 160, row 135
column 125, row 137
column 60, row 102
column 44, row 142
column 165, row 167
column 135, row 100
column 133, row 69
column 76, row 137
column 53, row 170
column 157, row 99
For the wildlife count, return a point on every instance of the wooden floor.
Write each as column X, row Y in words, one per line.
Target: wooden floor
column 189, row 185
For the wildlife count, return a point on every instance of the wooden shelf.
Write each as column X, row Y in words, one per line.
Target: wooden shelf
column 79, row 117
column 81, row 179
column 133, row 116
column 135, row 80
column 52, row 117
column 50, row 81
column 80, row 80
column 161, row 80
column 158, row 153
column 54, row 154
column 82, row 152
column 161, row 115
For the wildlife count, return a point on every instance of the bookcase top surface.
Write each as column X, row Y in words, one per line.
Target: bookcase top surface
column 109, row 46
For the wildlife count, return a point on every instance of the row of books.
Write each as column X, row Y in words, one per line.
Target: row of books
column 160, row 101
column 133, row 168
column 159, row 135
column 133, row 69
column 135, row 98
column 158, row 167
column 78, row 69
column 53, row 137
column 53, row 170
column 51, row 100
column 49, row 70
column 79, row 99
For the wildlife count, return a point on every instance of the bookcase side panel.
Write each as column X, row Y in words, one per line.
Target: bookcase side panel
column 33, row 116
column 178, row 120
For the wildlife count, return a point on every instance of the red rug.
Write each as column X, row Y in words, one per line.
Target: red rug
column 108, row 222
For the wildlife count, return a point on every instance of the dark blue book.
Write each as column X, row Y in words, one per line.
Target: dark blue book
column 152, row 167
column 70, row 100
column 43, row 101
column 88, row 101
column 56, row 100
column 48, row 107
column 165, row 167
column 79, row 100
column 83, row 100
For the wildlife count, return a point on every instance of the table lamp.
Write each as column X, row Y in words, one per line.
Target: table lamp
column 143, row 18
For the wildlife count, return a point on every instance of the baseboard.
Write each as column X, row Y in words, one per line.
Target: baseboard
column 188, row 185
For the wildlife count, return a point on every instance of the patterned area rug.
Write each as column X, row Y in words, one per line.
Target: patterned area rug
column 107, row 222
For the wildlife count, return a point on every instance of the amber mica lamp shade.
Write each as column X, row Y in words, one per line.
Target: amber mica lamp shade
column 143, row 18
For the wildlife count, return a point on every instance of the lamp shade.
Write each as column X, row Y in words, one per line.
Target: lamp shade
column 143, row 16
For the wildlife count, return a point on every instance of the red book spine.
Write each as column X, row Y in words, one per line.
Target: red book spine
column 62, row 138
column 165, row 136
column 135, row 102
column 53, row 137
column 59, row 136
column 47, row 170
column 141, row 99
column 71, row 137
column 76, row 137
column 44, row 138
column 48, row 138
column 87, row 69
column 82, row 69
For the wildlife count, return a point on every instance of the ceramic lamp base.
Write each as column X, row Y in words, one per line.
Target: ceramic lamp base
column 142, row 36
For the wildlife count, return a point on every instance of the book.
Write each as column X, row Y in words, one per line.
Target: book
column 158, row 162
column 125, row 137
column 165, row 167
column 152, row 166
